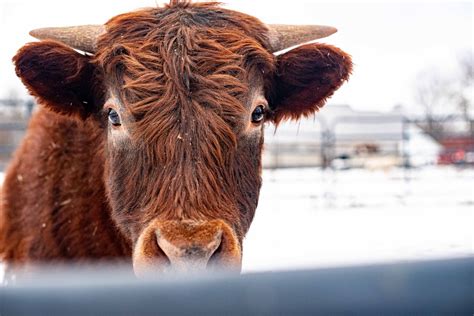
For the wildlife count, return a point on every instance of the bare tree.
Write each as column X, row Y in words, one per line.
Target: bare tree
column 466, row 81
column 445, row 96
column 433, row 94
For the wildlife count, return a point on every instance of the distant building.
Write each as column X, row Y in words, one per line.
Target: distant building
column 343, row 137
column 457, row 149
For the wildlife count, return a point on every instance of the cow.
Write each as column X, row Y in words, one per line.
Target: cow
column 147, row 143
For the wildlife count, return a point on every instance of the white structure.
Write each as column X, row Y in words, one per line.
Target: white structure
column 365, row 139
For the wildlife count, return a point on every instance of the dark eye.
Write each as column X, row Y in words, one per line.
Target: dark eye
column 258, row 114
column 114, row 118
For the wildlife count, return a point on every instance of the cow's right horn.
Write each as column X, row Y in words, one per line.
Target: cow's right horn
column 83, row 37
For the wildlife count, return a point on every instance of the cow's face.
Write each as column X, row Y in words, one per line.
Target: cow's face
column 182, row 94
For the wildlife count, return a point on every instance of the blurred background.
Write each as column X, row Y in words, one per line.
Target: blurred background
column 383, row 173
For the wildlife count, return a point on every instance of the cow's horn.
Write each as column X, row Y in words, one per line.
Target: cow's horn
column 82, row 37
column 284, row 36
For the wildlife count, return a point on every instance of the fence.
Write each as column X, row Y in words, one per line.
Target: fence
column 421, row 288
column 14, row 116
column 343, row 141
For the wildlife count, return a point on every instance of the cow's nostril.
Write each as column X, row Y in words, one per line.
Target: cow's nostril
column 159, row 253
column 216, row 244
column 214, row 259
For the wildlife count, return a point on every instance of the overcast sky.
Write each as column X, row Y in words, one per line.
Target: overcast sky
column 391, row 42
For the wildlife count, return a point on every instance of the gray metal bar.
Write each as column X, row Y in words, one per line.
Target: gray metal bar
column 421, row 288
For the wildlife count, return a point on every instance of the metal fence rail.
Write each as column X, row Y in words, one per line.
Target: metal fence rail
column 433, row 287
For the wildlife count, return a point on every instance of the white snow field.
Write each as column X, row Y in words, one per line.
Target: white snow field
column 312, row 218
column 309, row 218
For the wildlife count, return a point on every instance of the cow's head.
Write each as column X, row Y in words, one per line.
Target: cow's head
column 181, row 94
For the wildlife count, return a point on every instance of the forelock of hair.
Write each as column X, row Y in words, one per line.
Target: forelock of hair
column 168, row 72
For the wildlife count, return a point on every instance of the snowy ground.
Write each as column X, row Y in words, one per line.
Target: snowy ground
column 313, row 218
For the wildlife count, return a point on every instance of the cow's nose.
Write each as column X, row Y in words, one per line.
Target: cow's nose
column 186, row 246
column 192, row 256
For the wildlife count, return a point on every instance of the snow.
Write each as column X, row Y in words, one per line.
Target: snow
column 421, row 148
column 309, row 218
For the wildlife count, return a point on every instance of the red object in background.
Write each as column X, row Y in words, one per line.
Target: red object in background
column 457, row 150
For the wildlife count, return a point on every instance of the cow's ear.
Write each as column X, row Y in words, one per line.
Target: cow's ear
column 59, row 77
column 306, row 76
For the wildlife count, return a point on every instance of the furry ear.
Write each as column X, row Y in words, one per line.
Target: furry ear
column 58, row 76
column 306, row 77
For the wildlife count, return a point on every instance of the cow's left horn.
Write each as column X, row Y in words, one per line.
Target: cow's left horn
column 83, row 37
column 283, row 36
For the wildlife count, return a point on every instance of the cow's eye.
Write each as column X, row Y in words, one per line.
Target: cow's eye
column 258, row 114
column 114, row 118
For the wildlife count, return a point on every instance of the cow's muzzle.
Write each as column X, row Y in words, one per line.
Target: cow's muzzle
column 186, row 246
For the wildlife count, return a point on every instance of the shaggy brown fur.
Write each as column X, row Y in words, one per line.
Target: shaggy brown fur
column 183, row 78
